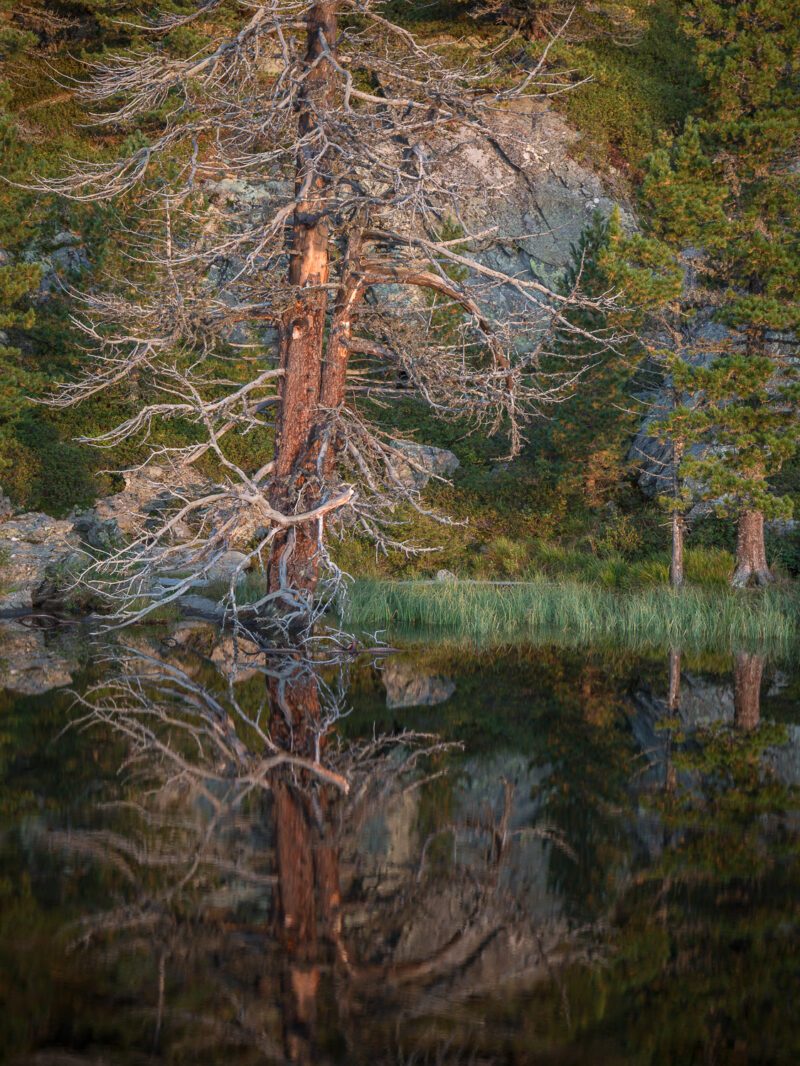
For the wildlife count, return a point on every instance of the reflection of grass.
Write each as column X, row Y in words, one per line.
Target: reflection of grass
column 576, row 614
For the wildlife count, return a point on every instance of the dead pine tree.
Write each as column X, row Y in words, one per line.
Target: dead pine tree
column 350, row 134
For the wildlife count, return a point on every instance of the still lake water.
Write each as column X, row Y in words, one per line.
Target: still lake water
column 586, row 857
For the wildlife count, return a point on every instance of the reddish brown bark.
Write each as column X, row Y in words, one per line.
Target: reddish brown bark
column 747, row 670
column 307, row 868
column 751, row 556
column 676, row 563
column 294, row 556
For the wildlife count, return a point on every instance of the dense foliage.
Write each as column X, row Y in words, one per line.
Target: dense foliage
column 727, row 189
column 690, row 111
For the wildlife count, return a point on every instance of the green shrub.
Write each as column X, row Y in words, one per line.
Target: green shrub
column 635, row 92
column 43, row 472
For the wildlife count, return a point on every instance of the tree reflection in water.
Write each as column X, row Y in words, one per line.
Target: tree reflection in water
column 263, row 889
column 241, row 824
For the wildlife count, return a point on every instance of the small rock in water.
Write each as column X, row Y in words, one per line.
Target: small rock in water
column 201, row 605
column 445, row 575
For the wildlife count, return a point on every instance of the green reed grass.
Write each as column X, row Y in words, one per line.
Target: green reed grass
column 576, row 614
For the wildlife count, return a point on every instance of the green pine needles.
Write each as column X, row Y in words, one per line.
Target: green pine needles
column 725, row 197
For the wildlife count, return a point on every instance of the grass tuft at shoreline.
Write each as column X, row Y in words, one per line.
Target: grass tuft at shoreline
column 573, row 614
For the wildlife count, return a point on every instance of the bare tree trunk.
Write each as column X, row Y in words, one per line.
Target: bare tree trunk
column 747, row 670
column 676, row 563
column 751, row 557
column 294, row 556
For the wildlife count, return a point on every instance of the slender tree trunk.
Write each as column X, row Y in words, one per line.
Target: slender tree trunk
column 747, row 670
column 751, row 557
column 294, row 559
column 676, row 563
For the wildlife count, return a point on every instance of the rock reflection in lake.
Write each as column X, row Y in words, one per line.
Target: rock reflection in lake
column 585, row 862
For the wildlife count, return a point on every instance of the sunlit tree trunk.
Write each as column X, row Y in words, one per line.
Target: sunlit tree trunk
column 294, row 557
column 676, row 563
column 747, row 671
column 751, row 556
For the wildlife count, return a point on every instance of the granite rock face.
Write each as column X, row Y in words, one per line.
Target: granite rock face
column 536, row 195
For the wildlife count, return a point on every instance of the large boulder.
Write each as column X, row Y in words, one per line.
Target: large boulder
column 32, row 547
column 229, row 566
column 537, row 197
column 147, row 496
column 425, row 462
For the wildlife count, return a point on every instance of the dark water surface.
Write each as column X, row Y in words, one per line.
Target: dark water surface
column 540, row 856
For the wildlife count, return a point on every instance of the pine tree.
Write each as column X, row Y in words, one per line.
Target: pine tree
column 727, row 188
column 647, row 274
column 595, row 428
column 745, row 418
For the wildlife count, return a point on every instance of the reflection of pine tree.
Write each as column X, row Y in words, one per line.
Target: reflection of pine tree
column 587, row 750
column 705, row 934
